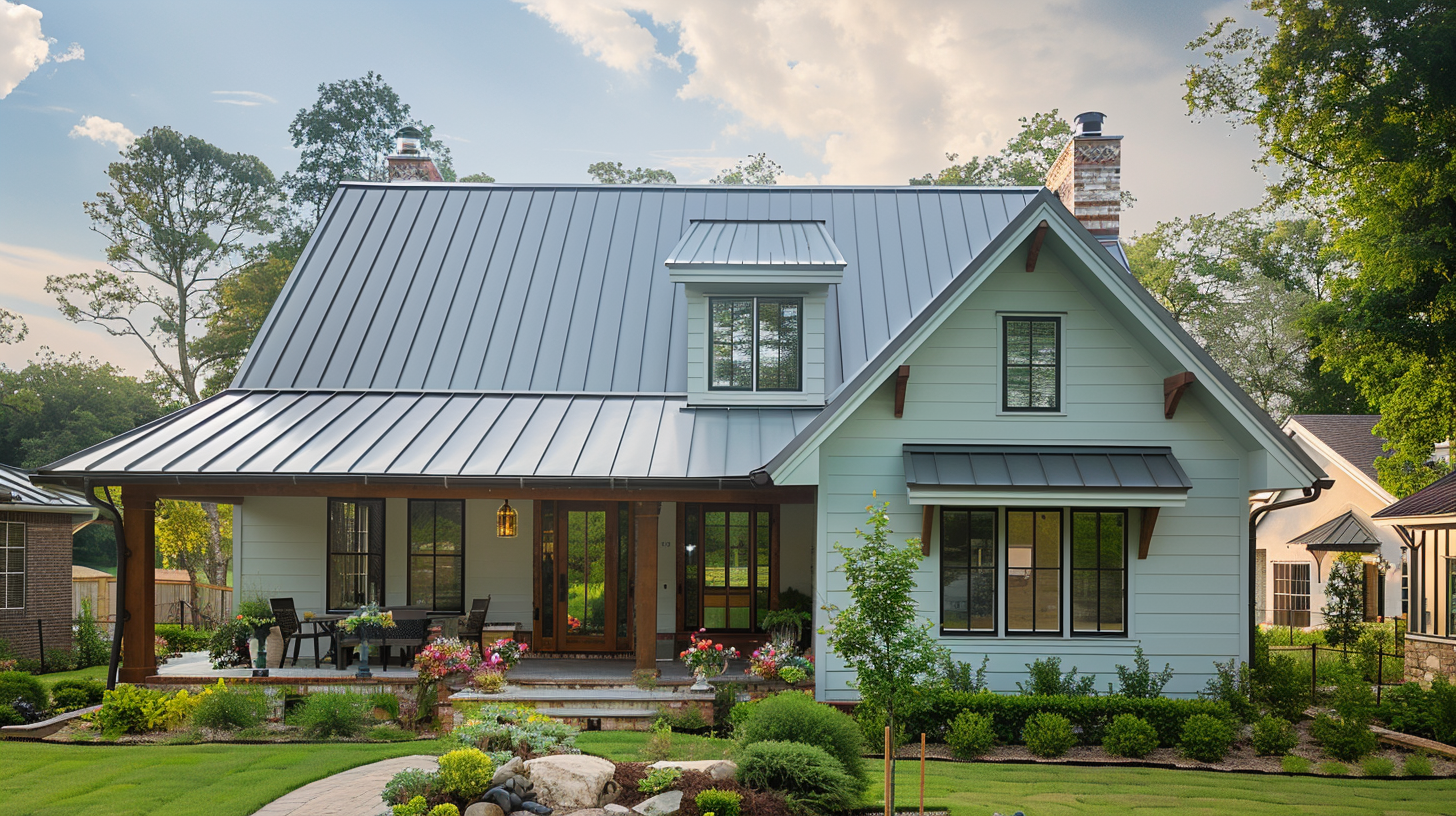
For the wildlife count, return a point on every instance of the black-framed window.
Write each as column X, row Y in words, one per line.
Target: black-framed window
column 1099, row 572
column 437, row 554
column 755, row 344
column 356, row 553
column 967, row 571
column 1450, row 597
column 1291, row 593
column 1031, row 363
column 12, row 565
column 1034, row 572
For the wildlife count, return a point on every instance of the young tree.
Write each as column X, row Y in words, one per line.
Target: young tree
column 881, row 635
column 177, row 219
column 1344, row 608
column 614, row 173
column 756, row 169
column 346, row 135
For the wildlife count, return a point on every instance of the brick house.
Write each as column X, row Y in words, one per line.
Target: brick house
column 36, row 525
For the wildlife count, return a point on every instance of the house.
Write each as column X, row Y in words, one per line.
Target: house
column 625, row 413
column 1425, row 520
column 36, row 525
column 1297, row 546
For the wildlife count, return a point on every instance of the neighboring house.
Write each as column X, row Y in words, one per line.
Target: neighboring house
column 1298, row 545
column 36, row 525
column 1425, row 520
column 629, row 412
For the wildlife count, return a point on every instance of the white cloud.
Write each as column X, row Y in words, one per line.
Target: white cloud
column 22, row 47
column 604, row 30
column 104, row 131
column 74, row 51
column 248, row 99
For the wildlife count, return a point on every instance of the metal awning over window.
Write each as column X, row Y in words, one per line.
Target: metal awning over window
column 1343, row 533
column 1084, row 475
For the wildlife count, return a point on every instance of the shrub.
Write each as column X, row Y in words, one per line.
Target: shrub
column 488, row 681
column 446, row 809
column 793, row 716
column 1344, row 609
column 17, row 685
column 409, row 783
column 229, row 709
column 70, row 695
column 332, row 714
column 719, row 802
column 504, row 726
column 390, row 733
column 59, row 660
column 1413, row 710
column 129, row 709
column 688, row 719
column 1140, row 681
column 1416, row 765
column 659, row 780
column 1333, row 769
column 465, row 773
column 1232, row 685
column 1045, row 678
column 1206, row 738
column 956, row 675
column 414, row 807
column 1130, row 736
column 1280, row 685
column 1048, row 735
column 1347, row 739
column 739, row 714
column 184, row 640
column 1273, row 736
column 91, row 646
column 1294, row 764
column 1377, row 766
column 63, row 700
column 228, row 646
column 659, row 745
column 971, row 735
column 871, row 721
column 385, row 701
column 9, row 716
column 807, row 775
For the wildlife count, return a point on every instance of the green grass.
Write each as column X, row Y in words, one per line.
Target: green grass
column 92, row 673
column 976, row 789
column 171, row 780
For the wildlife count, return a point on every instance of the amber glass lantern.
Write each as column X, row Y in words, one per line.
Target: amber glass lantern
column 505, row 521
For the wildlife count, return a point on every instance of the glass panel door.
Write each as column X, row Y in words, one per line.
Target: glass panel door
column 727, row 570
column 585, row 590
column 585, row 585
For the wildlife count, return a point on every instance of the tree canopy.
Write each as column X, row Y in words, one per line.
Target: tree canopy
column 756, row 169
column 1023, row 162
column 614, row 173
column 12, row 327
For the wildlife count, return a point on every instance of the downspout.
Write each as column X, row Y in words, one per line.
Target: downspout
column 108, row 507
column 1310, row 494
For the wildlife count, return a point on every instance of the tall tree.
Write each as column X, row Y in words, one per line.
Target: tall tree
column 478, row 178
column 12, row 327
column 1353, row 101
column 1023, row 162
column 346, row 134
column 242, row 304
column 615, row 173
column 756, row 169
column 65, row 404
column 176, row 219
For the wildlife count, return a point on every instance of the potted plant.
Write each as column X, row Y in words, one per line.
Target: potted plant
column 509, row 651
column 367, row 623
column 706, row 659
column 257, row 616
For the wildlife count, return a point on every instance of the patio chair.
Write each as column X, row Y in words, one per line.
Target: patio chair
column 471, row 625
column 411, row 630
column 291, row 629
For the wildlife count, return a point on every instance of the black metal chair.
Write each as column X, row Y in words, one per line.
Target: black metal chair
column 291, row 629
column 473, row 625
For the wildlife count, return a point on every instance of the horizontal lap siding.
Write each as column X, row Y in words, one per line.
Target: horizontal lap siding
column 281, row 549
column 1187, row 602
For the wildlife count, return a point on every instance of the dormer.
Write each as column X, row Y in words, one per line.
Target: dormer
column 756, row 293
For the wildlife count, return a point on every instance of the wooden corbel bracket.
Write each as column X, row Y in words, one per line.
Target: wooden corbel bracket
column 1173, row 388
column 902, row 379
column 1036, row 239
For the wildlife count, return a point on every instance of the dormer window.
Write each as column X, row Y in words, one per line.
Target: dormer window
column 756, row 344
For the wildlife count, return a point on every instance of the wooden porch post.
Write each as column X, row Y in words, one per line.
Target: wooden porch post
column 138, row 630
column 645, row 583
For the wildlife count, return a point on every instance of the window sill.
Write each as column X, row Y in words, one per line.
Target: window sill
column 1031, row 414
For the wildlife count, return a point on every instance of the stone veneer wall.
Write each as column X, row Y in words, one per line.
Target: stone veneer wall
column 1425, row 659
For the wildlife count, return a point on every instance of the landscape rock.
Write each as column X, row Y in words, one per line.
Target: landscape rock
column 719, row 769
column 511, row 768
column 569, row 782
column 615, row 808
column 663, row 804
column 484, row 809
column 591, row 812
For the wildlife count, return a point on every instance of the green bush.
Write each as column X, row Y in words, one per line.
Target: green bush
column 465, row 773
column 719, row 802
column 129, row 709
column 793, row 716
column 1280, row 685
column 69, row 699
column 1130, row 736
column 416, row 806
column 445, row 809
column 1413, row 710
column 1232, row 684
column 19, row 685
column 659, row 780
column 1206, row 738
column 1045, row 678
column 231, row 708
column 871, row 721
column 739, row 714
column 1048, row 735
column 92, row 649
column 807, row 775
column 1140, row 681
column 1377, row 766
column 1416, row 765
column 332, row 714
column 1346, row 739
column 389, row 733
column 60, row 660
column 1273, row 736
column 8, row 716
column 78, row 693
column 386, row 702
column 1333, row 769
column 1294, row 764
column 971, row 735
column 180, row 639
column 409, row 783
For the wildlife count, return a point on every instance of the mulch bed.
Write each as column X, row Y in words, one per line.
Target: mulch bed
column 693, row 783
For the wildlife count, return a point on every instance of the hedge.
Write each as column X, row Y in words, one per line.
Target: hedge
column 933, row 712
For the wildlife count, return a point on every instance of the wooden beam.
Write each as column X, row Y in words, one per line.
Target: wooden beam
column 1036, row 239
column 1173, row 388
column 1145, row 534
column 138, row 547
column 645, row 585
column 902, row 379
column 927, row 526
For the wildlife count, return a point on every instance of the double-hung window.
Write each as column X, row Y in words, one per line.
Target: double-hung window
column 12, row 565
column 967, row 571
column 755, row 344
column 1291, row 594
column 356, row 553
column 1031, row 378
column 437, row 554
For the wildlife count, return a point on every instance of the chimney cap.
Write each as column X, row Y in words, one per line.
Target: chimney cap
column 1089, row 123
column 412, row 132
column 407, row 140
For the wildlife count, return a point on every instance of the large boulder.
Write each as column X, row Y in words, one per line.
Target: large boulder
column 569, row 782
column 718, row 769
column 484, row 809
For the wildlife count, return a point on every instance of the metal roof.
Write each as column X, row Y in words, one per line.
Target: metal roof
column 1350, row 437
column 472, row 436
column 1035, row 466
column 1435, row 499
column 779, row 244
column 1343, row 533
column 16, row 488
column 562, row 288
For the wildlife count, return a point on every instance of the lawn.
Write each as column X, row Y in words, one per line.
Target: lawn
column 971, row 789
column 171, row 780
column 92, row 673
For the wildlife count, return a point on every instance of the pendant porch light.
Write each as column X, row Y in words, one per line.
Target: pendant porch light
column 505, row 521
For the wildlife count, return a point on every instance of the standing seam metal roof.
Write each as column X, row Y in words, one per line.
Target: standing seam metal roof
column 17, row 488
column 1343, row 533
column 1033, row 466
column 780, row 244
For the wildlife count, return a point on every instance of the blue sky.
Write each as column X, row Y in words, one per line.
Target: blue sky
column 836, row 92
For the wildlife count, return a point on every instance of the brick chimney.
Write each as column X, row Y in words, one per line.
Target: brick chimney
column 407, row 163
column 1087, row 176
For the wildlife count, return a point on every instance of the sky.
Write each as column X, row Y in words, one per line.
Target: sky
column 836, row 91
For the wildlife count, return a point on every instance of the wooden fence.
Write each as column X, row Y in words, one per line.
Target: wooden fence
column 173, row 597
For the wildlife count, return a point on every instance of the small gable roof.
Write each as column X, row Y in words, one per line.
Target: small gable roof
column 1350, row 437
column 1343, row 533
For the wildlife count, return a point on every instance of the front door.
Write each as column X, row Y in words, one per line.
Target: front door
column 584, row 577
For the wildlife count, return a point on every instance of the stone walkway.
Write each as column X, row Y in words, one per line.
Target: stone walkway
column 354, row 792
